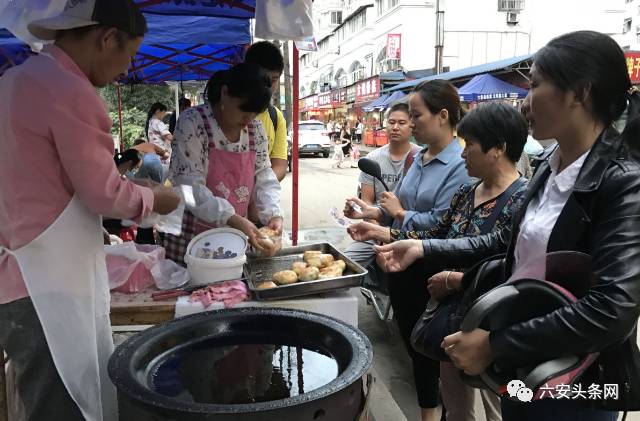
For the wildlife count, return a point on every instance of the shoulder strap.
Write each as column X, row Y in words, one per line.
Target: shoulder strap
column 501, row 202
column 409, row 160
column 273, row 114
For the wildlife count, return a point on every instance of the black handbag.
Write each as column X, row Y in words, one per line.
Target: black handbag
column 444, row 318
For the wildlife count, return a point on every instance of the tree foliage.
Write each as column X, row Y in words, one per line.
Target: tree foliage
column 136, row 101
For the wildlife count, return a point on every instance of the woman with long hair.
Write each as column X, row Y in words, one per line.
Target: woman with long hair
column 419, row 200
column 584, row 198
column 222, row 151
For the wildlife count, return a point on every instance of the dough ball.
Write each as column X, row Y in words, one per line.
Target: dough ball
column 298, row 266
column 311, row 253
column 315, row 261
column 266, row 285
column 341, row 264
column 268, row 232
column 285, row 277
column 330, row 274
column 309, row 274
column 266, row 242
column 270, row 246
column 326, row 259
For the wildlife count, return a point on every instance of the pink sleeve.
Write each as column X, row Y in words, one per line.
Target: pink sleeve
column 81, row 134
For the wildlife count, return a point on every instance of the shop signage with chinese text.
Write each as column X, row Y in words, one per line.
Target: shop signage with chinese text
column 324, row 100
column 351, row 93
column 633, row 65
column 368, row 89
column 394, row 46
column 338, row 97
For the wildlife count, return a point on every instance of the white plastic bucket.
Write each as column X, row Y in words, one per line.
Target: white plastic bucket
column 207, row 271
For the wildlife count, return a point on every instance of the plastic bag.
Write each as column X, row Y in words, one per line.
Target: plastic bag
column 16, row 14
column 167, row 274
column 284, row 19
column 129, row 265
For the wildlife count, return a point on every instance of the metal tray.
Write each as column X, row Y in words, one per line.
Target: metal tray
column 260, row 269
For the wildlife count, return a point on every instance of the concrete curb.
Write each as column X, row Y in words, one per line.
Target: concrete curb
column 383, row 406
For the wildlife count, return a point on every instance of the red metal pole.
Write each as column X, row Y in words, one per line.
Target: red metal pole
column 120, row 117
column 294, row 158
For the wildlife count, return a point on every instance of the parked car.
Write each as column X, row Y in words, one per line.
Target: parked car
column 313, row 138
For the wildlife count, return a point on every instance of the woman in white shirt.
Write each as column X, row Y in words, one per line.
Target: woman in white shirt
column 158, row 133
column 221, row 149
column 585, row 198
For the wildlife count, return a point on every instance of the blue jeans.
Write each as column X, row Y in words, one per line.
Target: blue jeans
column 553, row 410
column 151, row 168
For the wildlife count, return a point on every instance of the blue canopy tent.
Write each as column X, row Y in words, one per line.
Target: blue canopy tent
column 393, row 98
column 486, row 87
column 377, row 103
column 237, row 9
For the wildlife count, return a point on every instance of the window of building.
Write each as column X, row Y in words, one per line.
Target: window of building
column 384, row 5
column 626, row 26
column 336, row 17
column 510, row 5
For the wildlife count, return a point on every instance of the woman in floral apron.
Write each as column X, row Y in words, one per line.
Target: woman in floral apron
column 222, row 151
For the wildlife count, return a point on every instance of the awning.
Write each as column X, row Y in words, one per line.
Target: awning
column 486, row 87
column 392, row 99
column 376, row 103
column 466, row 72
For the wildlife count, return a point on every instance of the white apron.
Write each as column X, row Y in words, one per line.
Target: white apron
column 65, row 273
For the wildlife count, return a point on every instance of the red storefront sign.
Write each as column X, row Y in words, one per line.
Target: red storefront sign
column 338, row 97
column 633, row 65
column 394, row 45
column 368, row 90
column 310, row 103
column 324, row 100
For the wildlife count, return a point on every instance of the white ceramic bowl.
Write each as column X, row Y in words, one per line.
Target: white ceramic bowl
column 207, row 271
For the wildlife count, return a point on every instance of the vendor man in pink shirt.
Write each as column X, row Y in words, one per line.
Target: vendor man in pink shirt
column 57, row 177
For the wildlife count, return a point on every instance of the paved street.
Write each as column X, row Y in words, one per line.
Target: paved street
column 322, row 187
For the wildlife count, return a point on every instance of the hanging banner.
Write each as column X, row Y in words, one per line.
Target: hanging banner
column 394, row 45
column 307, row 44
column 633, row 65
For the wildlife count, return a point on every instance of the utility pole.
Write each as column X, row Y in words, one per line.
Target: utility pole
column 287, row 84
column 439, row 35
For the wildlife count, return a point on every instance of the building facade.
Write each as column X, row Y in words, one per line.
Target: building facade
column 358, row 40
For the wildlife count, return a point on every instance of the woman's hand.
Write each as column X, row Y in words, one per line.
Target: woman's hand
column 397, row 256
column 275, row 224
column 469, row 351
column 366, row 211
column 248, row 228
column 444, row 283
column 392, row 205
column 364, row 231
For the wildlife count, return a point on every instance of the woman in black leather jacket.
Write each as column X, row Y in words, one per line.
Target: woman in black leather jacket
column 586, row 198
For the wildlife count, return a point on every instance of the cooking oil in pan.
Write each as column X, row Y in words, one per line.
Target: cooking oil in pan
column 242, row 374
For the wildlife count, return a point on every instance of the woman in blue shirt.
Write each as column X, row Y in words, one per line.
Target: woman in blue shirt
column 419, row 200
